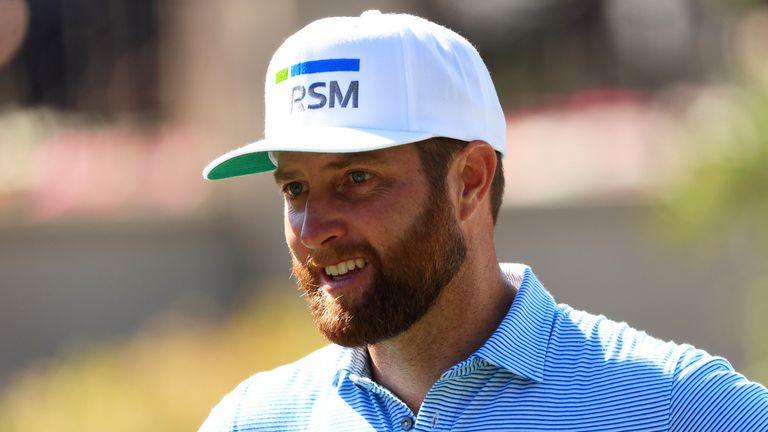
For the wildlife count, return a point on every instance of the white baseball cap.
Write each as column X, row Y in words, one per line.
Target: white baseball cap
column 355, row 84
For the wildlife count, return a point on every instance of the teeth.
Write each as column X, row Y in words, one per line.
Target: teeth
column 345, row 267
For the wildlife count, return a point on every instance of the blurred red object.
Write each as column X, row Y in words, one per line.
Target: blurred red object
column 117, row 172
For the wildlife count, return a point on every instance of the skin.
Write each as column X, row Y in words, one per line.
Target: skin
column 335, row 205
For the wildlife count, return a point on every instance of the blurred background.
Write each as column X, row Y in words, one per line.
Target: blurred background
column 133, row 294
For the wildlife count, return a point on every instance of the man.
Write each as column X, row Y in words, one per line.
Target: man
column 385, row 135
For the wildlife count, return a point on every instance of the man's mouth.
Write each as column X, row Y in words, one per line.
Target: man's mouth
column 344, row 267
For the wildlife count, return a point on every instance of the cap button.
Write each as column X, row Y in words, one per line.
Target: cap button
column 369, row 13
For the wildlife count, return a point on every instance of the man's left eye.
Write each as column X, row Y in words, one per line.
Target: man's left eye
column 359, row 176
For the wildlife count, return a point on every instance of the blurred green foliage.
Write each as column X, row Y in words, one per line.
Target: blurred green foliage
column 756, row 327
column 726, row 189
column 727, row 185
column 166, row 378
column 744, row 3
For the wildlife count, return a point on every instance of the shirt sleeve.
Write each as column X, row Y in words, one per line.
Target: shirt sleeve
column 709, row 396
column 221, row 417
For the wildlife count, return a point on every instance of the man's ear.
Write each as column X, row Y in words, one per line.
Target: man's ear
column 475, row 166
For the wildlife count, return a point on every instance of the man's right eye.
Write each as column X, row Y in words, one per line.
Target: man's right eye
column 294, row 189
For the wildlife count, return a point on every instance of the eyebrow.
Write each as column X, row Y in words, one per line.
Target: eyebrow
column 280, row 175
column 344, row 160
column 348, row 159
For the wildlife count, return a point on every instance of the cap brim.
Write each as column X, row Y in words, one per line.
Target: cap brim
column 254, row 158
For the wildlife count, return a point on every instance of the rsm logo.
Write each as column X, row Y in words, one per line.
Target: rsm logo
column 316, row 93
column 321, row 94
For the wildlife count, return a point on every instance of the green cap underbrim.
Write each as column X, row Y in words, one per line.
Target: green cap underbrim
column 249, row 163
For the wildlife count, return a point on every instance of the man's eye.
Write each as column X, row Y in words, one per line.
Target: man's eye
column 359, row 176
column 294, row 189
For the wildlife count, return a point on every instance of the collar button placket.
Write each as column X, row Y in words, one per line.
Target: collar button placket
column 406, row 423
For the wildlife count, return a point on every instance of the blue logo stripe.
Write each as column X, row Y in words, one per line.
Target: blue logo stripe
column 328, row 65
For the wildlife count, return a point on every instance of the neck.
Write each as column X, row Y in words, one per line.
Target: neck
column 464, row 316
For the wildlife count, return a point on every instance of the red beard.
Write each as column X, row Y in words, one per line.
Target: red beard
column 407, row 279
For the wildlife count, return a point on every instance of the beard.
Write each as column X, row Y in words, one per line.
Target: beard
column 407, row 278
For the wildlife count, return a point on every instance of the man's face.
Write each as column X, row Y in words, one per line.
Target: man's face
column 372, row 243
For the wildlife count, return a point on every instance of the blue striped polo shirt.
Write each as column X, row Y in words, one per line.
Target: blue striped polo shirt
column 547, row 367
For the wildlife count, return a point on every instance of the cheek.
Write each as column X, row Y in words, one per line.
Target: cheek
column 386, row 221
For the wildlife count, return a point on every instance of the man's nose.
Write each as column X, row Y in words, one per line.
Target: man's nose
column 322, row 223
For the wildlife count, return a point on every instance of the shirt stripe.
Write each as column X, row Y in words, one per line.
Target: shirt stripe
column 547, row 367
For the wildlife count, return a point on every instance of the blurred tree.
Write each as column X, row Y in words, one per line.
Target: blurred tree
column 726, row 188
column 728, row 183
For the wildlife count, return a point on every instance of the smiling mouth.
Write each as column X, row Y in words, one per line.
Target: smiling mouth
column 344, row 267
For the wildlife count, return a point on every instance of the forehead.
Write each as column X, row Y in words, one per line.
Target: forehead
column 403, row 157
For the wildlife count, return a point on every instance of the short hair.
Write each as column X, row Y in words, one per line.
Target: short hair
column 436, row 155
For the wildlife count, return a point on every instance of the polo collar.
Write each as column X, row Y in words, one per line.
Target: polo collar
column 520, row 342
column 355, row 362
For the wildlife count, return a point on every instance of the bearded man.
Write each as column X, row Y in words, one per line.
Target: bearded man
column 385, row 135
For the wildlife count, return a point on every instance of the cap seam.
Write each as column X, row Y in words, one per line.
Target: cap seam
column 407, row 79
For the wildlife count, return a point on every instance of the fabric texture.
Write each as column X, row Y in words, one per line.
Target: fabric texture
column 547, row 367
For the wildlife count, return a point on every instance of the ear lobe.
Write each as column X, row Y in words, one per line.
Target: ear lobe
column 477, row 165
